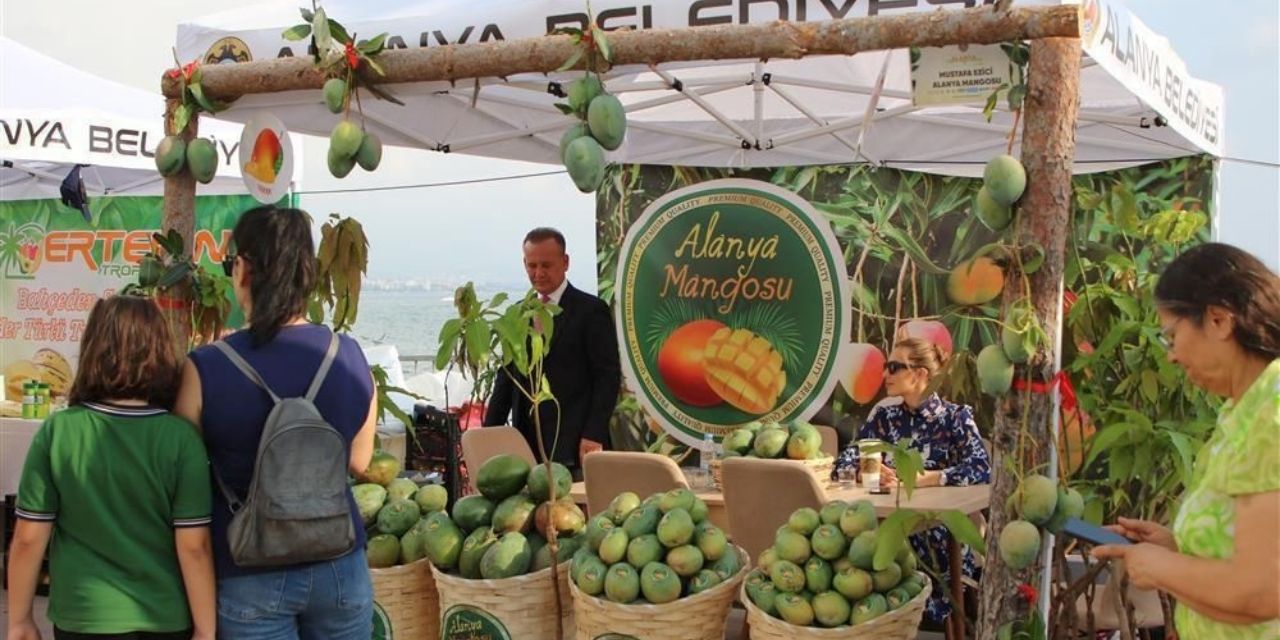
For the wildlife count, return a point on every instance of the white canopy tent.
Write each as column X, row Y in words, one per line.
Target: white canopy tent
column 1138, row 103
column 54, row 116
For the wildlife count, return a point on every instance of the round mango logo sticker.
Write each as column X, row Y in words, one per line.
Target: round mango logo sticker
column 382, row 629
column 732, row 306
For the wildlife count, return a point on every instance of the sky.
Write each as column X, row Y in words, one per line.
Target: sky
column 473, row 232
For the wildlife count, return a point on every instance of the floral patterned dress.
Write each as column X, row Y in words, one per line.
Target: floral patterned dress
column 1240, row 458
column 948, row 441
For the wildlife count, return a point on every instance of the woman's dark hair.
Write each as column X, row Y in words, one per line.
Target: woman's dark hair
column 1221, row 275
column 127, row 352
column 282, row 266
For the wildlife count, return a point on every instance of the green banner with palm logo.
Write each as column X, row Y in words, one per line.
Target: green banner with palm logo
column 54, row 265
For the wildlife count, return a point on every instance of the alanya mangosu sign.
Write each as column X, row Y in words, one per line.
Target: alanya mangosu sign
column 732, row 307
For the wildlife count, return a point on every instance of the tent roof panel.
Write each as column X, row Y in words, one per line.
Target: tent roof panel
column 727, row 113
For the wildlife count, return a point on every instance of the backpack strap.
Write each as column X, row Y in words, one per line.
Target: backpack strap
column 329, row 357
column 246, row 368
column 233, row 501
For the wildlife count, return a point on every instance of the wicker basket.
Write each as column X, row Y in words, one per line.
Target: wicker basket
column 820, row 467
column 406, row 598
column 519, row 608
column 698, row 617
column 902, row 623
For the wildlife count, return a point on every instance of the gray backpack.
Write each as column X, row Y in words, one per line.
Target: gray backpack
column 297, row 509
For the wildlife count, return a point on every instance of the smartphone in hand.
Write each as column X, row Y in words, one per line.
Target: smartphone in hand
column 1093, row 534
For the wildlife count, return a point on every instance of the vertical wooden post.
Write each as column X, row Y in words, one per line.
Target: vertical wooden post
column 180, row 214
column 1048, row 151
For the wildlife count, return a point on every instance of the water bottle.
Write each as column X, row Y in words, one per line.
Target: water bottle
column 708, row 452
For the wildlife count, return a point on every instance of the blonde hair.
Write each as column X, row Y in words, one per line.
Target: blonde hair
column 923, row 354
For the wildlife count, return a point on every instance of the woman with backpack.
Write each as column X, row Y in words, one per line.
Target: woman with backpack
column 289, row 557
column 121, row 486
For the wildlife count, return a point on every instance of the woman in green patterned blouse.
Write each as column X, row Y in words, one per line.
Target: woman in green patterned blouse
column 1220, row 314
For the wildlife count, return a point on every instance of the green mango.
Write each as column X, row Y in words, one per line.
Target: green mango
column 202, row 160
column 335, row 94
column 171, row 154
column 509, row 557
column 607, row 120
column 659, row 583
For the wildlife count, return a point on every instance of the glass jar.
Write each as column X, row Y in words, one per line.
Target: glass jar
column 43, row 400
column 29, row 400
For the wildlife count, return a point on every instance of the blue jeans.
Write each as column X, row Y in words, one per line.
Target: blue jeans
column 331, row 600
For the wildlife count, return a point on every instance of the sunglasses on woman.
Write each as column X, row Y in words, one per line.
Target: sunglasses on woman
column 893, row 366
column 229, row 263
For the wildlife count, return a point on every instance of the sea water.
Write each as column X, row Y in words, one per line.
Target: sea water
column 409, row 319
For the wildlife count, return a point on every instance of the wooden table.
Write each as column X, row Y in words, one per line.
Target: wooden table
column 969, row 500
column 15, row 439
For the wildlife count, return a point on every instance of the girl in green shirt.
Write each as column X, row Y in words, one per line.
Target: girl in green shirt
column 121, row 488
column 1219, row 311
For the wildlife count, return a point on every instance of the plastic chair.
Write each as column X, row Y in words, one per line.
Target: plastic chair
column 760, row 496
column 830, row 440
column 608, row 473
column 478, row 445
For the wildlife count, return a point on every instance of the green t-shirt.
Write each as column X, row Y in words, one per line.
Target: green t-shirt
column 116, row 481
column 1239, row 459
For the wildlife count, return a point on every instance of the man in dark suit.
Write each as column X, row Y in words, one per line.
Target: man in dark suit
column 581, row 363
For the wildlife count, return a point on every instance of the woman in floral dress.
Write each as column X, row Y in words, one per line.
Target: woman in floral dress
column 945, row 435
column 1219, row 312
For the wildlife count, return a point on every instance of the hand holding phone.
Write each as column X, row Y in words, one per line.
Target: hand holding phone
column 1093, row 534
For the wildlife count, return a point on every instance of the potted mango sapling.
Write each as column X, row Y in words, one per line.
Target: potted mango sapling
column 655, row 569
column 500, row 558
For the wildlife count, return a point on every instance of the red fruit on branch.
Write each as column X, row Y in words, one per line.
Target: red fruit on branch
column 1028, row 593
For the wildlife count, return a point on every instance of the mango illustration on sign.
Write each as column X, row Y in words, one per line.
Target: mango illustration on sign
column 21, row 248
column 745, row 370
column 682, row 364
column 264, row 165
column 28, row 257
column 743, row 360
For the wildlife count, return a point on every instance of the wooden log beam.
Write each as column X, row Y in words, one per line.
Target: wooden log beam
column 981, row 25
column 1048, row 151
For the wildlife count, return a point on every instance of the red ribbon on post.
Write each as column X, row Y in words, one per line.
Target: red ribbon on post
column 1061, row 381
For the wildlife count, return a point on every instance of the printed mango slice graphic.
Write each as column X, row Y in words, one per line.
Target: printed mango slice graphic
column 744, row 369
column 265, row 161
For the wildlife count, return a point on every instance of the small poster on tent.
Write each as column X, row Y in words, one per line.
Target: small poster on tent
column 54, row 266
column 732, row 307
column 266, row 158
column 957, row 75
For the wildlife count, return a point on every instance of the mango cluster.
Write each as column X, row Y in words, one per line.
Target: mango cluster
column 601, row 127
column 396, row 512
column 820, row 570
column 795, row 441
column 199, row 155
column 349, row 145
column 1040, row 503
column 501, row 532
column 1003, row 182
column 653, row 551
